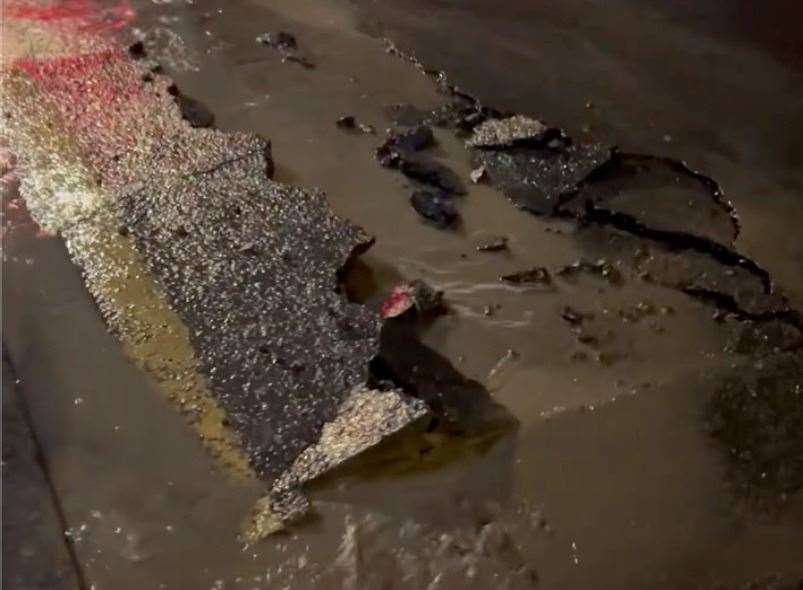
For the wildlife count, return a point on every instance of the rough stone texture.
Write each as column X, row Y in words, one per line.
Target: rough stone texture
column 251, row 266
column 498, row 133
column 536, row 179
column 346, row 435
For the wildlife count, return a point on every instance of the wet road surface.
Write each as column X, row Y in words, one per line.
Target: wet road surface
column 612, row 478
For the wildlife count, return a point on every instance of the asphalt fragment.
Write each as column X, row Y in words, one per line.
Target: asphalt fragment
column 416, row 296
column 300, row 60
column 406, row 115
column 433, row 174
column 435, row 206
column 478, row 174
column 249, row 267
column 350, row 122
column 538, row 178
column 493, row 244
column 601, row 268
column 402, row 143
column 536, row 275
column 572, row 316
column 500, row 133
column 286, row 44
column 278, row 40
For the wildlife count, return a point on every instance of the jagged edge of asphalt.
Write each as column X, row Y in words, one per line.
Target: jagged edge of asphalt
column 441, row 78
column 728, row 304
column 675, row 240
column 681, row 167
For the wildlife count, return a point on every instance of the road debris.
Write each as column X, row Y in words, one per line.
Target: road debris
column 286, row 44
column 432, row 173
column 401, row 144
column 415, row 295
column 493, row 244
column 536, row 275
column 278, row 40
column 574, row 317
column 247, row 266
column 406, row 115
column 601, row 268
column 400, row 151
column 435, row 206
column 350, row 122
column 192, row 111
column 300, row 60
column 478, row 175
column 500, row 133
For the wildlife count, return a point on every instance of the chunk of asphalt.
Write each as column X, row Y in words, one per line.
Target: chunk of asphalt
column 499, row 133
column 434, row 206
column 493, row 244
column 249, row 266
column 278, row 40
column 536, row 275
column 406, row 115
column 346, row 122
column 415, row 295
column 401, row 144
column 539, row 179
column 432, row 173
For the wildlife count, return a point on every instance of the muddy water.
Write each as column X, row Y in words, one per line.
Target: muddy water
column 610, row 479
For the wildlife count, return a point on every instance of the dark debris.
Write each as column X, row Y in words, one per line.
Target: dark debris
column 536, row 275
column 435, row 206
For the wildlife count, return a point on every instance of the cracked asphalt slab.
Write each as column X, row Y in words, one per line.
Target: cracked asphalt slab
column 248, row 265
column 674, row 334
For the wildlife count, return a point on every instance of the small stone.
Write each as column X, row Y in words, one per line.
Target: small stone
column 572, row 316
column 416, row 295
column 505, row 132
column 434, row 206
column 278, row 40
column 478, row 174
column 537, row 274
column 432, row 173
column 495, row 244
